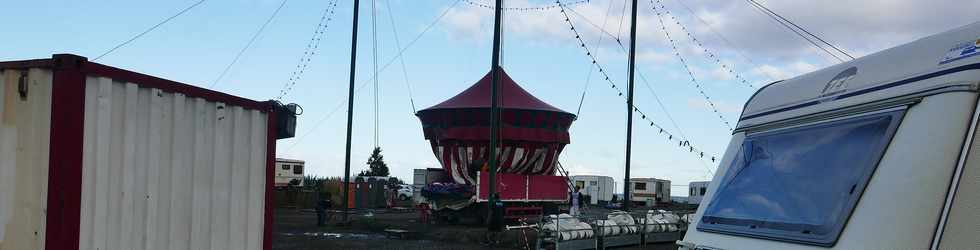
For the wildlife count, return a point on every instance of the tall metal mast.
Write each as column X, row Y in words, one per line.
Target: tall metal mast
column 494, row 114
column 350, row 110
column 629, row 109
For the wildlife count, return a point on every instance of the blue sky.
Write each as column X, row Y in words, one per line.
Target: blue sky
column 539, row 52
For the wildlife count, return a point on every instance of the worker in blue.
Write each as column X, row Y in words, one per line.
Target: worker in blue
column 321, row 211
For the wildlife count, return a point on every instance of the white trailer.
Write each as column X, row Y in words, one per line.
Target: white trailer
column 876, row 153
column 696, row 191
column 597, row 187
column 649, row 191
column 289, row 172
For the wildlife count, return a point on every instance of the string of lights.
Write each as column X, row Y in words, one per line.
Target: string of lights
column 364, row 82
column 318, row 33
column 525, row 9
column 725, row 40
column 711, row 55
column 682, row 143
column 646, row 83
column 694, row 80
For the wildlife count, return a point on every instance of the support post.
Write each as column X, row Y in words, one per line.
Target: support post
column 350, row 111
column 494, row 116
column 629, row 108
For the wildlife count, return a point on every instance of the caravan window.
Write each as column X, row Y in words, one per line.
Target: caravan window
column 297, row 169
column 800, row 184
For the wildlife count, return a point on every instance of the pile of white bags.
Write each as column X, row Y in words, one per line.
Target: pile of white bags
column 568, row 227
column 625, row 222
column 661, row 221
column 688, row 218
column 607, row 227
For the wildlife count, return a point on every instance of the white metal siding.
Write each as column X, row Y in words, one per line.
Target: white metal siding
column 24, row 145
column 164, row 171
column 962, row 224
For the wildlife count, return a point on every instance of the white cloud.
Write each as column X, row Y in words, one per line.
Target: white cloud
column 790, row 70
column 653, row 56
column 466, row 22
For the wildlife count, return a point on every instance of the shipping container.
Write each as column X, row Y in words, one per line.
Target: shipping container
column 97, row 157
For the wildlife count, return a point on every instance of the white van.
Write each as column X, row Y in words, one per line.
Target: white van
column 875, row 153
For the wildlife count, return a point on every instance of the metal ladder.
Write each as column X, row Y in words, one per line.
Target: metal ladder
column 568, row 179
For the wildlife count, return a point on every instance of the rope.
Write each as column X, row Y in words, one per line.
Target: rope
column 249, row 44
column 398, row 44
column 148, row 30
column 775, row 18
column 588, row 78
column 801, row 28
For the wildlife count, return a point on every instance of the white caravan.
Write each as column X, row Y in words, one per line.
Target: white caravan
column 875, row 153
column 289, row 172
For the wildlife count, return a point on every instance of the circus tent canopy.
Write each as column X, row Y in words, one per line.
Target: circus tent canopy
column 532, row 132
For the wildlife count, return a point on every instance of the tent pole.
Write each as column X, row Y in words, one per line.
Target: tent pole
column 629, row 109
column 494, row 115
column 350, row 111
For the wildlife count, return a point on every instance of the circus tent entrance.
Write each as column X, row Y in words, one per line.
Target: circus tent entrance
column 532, row 132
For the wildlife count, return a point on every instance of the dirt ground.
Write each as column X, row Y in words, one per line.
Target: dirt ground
column 296, row 229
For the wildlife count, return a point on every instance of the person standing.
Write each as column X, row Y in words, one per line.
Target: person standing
column 575, row 202
column 321, row 211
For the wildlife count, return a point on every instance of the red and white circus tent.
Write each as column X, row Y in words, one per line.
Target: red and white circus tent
column 532, row 132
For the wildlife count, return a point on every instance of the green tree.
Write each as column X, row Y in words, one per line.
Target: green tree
column 376, row 164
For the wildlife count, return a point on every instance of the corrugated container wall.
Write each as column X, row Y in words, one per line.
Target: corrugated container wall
column 164, row 171
column 25, row 122
column 131, row 161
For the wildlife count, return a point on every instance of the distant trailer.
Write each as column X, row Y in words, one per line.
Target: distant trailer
column 289, row 173
column 597, row 187
column 696, row 191
column 649, row 191
column 97, row 157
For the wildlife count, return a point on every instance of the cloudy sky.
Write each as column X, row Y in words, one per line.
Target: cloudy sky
column 540, row 52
